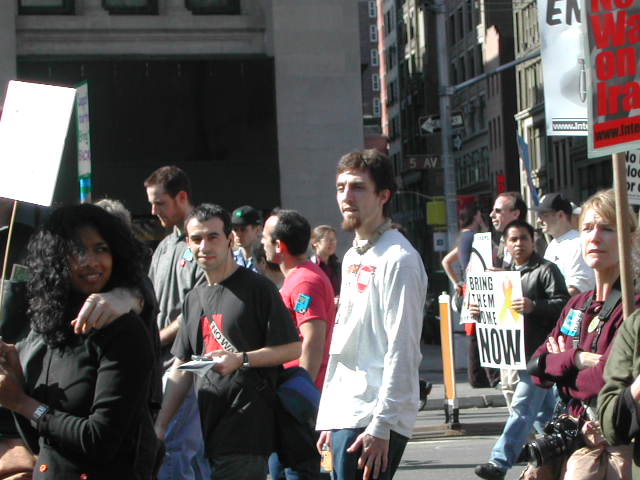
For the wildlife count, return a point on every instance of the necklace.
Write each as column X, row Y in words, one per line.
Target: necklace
column 361, row 250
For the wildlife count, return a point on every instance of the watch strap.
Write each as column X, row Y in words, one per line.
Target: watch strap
column 37, row 415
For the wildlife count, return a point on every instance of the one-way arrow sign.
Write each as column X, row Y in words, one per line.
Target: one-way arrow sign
column 431, row 123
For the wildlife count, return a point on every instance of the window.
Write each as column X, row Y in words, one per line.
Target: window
column 375, row 82
column 478, row 60
column 392, row 92
column 374, row 58
column 390, row 55
column 388, row 22
column 452, row 29
column 45, row 7
column 208, row 7
column 131, row 7
column 376, row 107
column 373, row 33
column 373, row 9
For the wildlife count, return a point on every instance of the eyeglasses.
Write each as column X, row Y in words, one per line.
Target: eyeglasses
column 500, row 210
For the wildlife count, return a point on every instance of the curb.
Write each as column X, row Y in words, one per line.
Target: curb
column 461, row 430
column 473, row 401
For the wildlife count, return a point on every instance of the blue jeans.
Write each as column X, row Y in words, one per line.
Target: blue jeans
column 532, row 407
column 345, row 465
column 183, row 441
column 309, row 470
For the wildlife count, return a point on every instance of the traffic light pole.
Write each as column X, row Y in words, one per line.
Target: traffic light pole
column 445, row 92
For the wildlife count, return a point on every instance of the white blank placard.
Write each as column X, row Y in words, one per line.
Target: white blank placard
column 34, row 124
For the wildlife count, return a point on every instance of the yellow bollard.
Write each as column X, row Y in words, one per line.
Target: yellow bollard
column 448, row 364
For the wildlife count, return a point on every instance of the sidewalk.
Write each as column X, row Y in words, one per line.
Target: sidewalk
column 468, row 397
column 431, row 424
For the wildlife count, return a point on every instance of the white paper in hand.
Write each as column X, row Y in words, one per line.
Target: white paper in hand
column 201, row 366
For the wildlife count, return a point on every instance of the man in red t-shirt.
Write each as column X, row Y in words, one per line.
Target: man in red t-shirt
column 306, row 291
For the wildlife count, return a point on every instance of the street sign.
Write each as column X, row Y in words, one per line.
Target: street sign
column 431, row 123
column 632, row 158
column 421, row 162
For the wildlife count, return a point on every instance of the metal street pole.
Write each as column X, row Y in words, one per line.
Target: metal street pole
column 445, row 92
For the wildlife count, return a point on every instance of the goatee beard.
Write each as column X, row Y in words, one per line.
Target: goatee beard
column 350, row 224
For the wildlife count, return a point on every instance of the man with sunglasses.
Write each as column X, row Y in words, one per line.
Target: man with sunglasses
column 507, row 207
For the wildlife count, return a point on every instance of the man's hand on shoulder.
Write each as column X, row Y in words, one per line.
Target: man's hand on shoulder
column 101, row 309
column 374, row 456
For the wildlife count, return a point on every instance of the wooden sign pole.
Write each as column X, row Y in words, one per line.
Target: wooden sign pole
column 7, row 249
column 624, row 236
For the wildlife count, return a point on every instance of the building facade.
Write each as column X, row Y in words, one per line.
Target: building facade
column 558, row 163
column 255, row 99
column 370, row 69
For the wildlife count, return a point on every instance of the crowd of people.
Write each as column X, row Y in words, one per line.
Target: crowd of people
column 95, row 383
column 573, row 411
column 100, row 337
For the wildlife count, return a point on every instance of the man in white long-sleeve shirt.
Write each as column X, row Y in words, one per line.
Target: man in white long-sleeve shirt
column 370, row 397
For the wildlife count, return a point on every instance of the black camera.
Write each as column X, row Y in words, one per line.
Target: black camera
column 562, row 437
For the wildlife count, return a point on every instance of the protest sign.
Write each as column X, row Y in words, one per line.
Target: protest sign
column 564, row 69
column 632, row 164
column 612, row 43
column 84, row 141
column 33, row 129
column 480, row 259
column 499, row 329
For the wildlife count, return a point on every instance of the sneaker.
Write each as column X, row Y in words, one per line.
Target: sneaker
column 489, row 471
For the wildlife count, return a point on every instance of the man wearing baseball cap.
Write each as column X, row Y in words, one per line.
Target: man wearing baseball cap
column 247, row 224
column 554, row 217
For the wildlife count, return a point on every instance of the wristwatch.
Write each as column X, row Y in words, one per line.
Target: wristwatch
column 38, row 414
column 245, row 360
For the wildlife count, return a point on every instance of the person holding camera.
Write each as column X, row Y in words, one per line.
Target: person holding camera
column 574, row 356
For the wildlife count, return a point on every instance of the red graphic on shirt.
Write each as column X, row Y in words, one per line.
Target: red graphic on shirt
column 211, row 328
column 364, row 277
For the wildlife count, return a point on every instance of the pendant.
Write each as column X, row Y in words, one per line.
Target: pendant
column 593, row 324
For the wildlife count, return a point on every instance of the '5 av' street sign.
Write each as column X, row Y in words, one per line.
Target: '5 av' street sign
column 431, row 123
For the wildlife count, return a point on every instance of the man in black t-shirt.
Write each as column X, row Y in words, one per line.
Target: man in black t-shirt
column 239, row 318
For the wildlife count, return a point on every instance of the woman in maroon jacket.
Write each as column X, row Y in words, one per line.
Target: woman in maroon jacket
column 574, row 355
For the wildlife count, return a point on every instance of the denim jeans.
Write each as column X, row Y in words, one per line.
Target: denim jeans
column 309, row 470
column 345, row 465
column 183, row 441
column 532, row 407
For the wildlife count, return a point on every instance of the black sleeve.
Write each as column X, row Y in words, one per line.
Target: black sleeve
column 556, row 294
column 280, row 326
column 183, row 347
column 125, row 357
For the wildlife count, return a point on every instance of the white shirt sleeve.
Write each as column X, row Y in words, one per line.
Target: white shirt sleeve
column 403, row 300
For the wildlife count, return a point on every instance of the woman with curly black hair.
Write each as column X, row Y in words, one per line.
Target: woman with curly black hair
column 86, row 396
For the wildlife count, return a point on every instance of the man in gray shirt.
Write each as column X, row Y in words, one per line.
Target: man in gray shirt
column 173, row 273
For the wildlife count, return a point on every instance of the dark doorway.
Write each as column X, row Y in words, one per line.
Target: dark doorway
column 215, row 118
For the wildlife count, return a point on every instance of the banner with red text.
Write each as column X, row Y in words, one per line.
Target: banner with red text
column 612, row 40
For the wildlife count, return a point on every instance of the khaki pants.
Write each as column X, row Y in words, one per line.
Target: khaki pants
column 508, row 380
